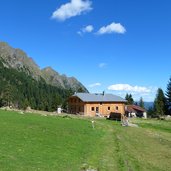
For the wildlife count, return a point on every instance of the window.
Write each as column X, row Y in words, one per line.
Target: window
column 108, row 108
column 92, row 108
column 117, row 108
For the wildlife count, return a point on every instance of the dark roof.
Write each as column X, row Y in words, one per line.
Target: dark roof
column 87, row 97
column 134, row 108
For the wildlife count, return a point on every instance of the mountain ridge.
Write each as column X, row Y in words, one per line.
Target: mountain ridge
column 17, row 59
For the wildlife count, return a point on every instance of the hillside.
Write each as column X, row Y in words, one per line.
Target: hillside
column 52, row 77
column 18, row 59
column 24, row 84
column 148, row 105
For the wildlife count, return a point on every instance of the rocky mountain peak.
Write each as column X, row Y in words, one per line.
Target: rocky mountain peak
column 18, row 59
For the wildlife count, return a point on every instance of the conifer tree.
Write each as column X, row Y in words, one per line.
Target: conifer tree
column 7, row 95
column 168, row 96
column 129, row 99
column 141, row 103
column 160, row 103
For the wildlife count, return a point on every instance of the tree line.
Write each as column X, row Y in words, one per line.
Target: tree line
column 130, row 101
column 19, row 90
column 162, row 102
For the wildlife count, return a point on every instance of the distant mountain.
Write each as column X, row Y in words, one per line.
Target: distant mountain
column 24, row 84
column 18, row 59
column 148, row 105
column 54, row 78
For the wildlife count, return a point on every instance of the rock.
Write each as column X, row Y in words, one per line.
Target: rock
column 22, row 112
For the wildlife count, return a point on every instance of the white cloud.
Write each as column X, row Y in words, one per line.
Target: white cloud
column 112, row 28
column 71, row 9
column 148, row 93
column 102, row 65
column 94, row 85
column 88, row 29
column 127, row 87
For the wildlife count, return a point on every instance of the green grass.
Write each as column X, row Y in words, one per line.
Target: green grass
column 34, row 142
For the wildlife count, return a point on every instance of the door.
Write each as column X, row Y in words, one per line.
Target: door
column 97, row 109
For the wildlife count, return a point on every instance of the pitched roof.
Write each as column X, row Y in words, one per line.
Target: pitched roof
column 87, row 97
column 134, row 108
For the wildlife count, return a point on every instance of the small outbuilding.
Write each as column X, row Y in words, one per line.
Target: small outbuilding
column 135, row 111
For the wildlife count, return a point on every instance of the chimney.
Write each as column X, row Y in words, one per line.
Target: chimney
column 103, row 93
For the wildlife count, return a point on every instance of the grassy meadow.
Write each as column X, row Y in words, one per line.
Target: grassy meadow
column 61, row 143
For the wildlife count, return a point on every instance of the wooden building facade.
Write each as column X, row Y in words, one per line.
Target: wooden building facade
column 96, row 104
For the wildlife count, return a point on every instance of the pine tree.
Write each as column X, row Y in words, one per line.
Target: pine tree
column 127, row 96
column 129, row 99
column 80, row 90
column 160, row 103
column 17, row 89
column 141, row 103
column 1, row 102
column 168, row 96
column 151, row 112
column 8, row 95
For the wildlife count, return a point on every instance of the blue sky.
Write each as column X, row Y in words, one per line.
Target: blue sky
column 119, row 46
